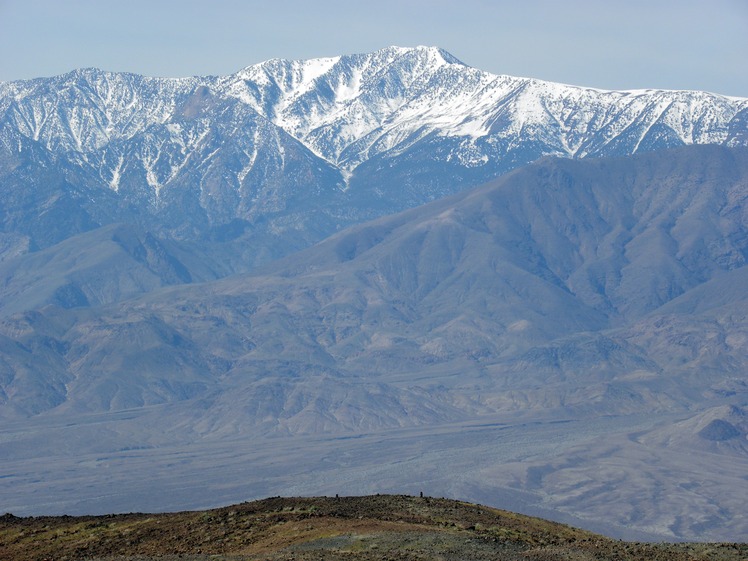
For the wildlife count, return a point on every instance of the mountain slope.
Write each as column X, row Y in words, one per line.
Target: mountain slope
column 560, row 259
column 102, row 266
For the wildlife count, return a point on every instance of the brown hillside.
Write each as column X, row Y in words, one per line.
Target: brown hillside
column 350, row 528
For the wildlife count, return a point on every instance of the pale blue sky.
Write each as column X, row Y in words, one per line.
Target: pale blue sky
column 615, row 44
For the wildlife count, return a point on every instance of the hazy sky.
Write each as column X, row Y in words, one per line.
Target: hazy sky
column 615, row 44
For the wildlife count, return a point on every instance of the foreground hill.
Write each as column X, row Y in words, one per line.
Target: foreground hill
column 350, row 528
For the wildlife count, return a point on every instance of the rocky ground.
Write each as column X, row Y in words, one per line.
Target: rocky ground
column 351, row 528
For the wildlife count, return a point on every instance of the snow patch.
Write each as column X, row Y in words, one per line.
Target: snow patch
column 116, row 174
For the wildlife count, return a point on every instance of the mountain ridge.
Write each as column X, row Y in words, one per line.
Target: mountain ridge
column 346, row 138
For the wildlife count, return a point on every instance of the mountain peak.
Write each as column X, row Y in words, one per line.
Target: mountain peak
column 439, row 53
column 382, row 57
column 431, row 56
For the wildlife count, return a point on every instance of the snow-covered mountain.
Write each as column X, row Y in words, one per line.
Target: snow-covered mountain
column 352, row 109
column 284, row 153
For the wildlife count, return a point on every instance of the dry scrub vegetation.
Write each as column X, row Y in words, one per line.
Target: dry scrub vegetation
column 350, row 528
